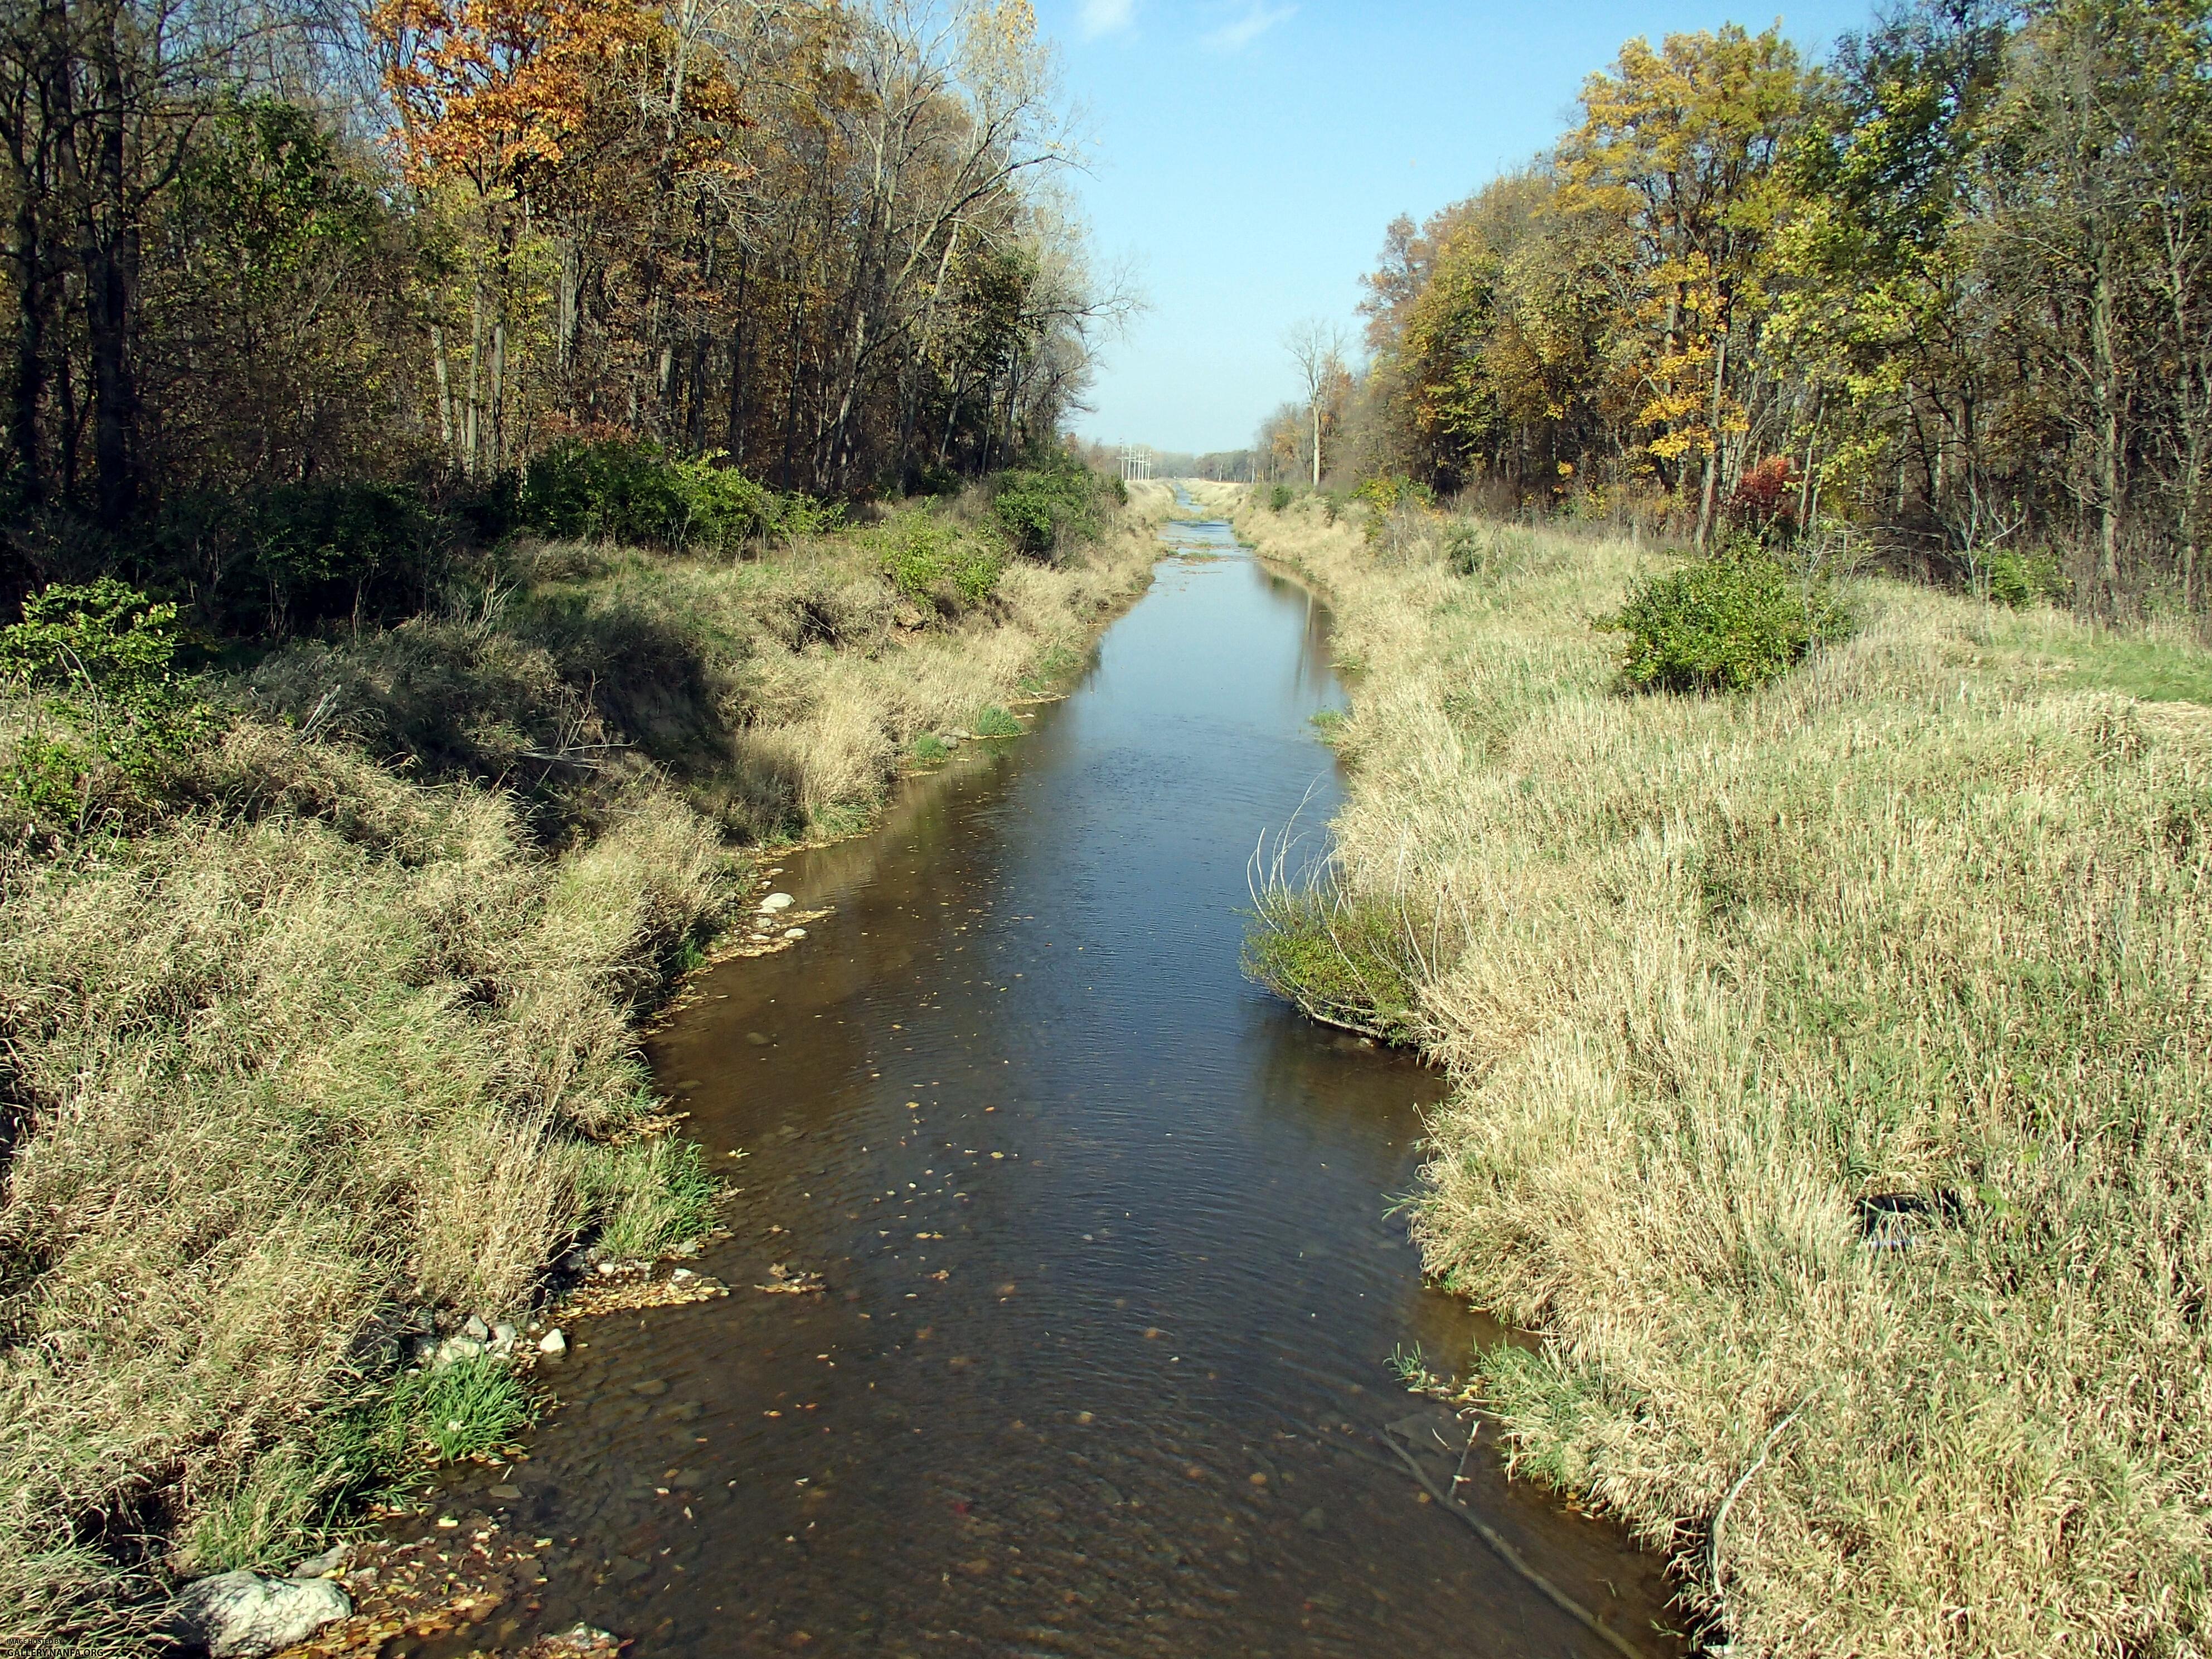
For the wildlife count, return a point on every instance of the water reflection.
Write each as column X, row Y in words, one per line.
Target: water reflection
column 1111, row 1284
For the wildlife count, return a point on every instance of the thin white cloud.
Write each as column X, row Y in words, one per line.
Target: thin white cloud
column 1259, row 17
column 1106, row 17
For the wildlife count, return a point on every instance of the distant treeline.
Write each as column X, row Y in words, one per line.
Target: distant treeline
column 295, row 247
column 1952, row 290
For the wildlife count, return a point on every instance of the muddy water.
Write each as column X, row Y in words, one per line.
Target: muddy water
column 1111, row 1284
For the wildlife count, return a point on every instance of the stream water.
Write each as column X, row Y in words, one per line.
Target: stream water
column 1112, row 1283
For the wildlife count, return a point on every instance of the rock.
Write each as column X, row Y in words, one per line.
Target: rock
column 949, row 739
column 777, row 901
column 502, row 1339
column 475, row 1329
column 328, row 1563
column 581, row 1642
column 453, row 1349
column 553, row 1342
column 504, row 1494
column 794, row 932
column 1313, row 1520
column 656, row 1386
column 242, row 1615
column 681, row 1274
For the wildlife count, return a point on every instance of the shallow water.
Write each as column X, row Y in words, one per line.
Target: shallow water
column 1112, row 1284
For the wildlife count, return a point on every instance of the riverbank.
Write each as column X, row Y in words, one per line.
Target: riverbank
column 1831, row 1071
column 324, row 1039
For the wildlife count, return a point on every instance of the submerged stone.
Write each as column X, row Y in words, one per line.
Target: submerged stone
column 242, row 1615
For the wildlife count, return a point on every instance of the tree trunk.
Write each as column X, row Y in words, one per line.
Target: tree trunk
column 1713, row 446
column 2106, row 393
column 444, row 391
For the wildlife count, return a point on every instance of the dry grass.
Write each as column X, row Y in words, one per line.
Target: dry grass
column 1928, row 916
column 342, row 1043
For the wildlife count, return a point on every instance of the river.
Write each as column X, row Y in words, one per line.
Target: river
column 1111, row 1280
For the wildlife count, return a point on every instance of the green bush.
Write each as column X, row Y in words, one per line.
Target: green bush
column 1725, row 624
column 931, row 563
column 1278, row 498
column 616, row 489
column 98, row 662
column 2019, row 580
column 996, row 722
column 1044, row 507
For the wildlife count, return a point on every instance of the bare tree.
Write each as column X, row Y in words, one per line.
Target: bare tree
column 1316, row 346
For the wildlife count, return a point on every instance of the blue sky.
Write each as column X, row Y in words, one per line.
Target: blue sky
column 1246, row 154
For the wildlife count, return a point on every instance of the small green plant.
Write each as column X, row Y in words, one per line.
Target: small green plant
column 649, row 1195
column 1278, row 498
column 623, row 490
column 996, row 722
column 929, row 749
column 1726, row 623
column 1466, row 550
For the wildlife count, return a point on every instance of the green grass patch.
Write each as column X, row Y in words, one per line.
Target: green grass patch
column 929, row 749
column 2155, row 671
column 996, row 722
column 654, row 1194
column 378, row 1447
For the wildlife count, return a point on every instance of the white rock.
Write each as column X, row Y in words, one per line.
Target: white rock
column 502, row 1338
column 794, row 932
column 476, row 1329
column 553, row 1342
column 777, row 901
column 242, row 1615
column 454, row 1349
column 680, row 1275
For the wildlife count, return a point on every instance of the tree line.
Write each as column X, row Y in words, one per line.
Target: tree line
column 260, row 245
column 1948, row 292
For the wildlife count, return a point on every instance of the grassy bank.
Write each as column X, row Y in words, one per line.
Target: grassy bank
column 1831, row 1068
column 316, row 1014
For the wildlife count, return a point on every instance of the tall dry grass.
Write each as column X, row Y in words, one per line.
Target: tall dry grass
column 1927, row 917
column 338, row 1043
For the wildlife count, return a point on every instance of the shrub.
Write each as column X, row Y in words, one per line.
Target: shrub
column 931, row 563
column 996, row 722
column 618, row 489
column 1726, row 623
column 2019, row 580
column 98, row 662
column 1278, row 498
column 1043, row 507
column 1764, row 501
column 285, row 558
